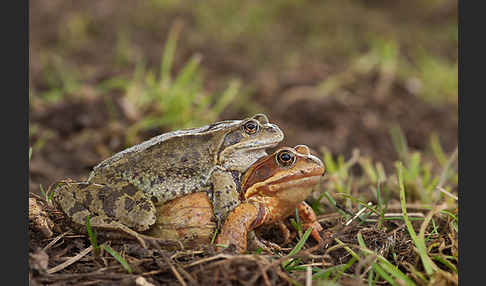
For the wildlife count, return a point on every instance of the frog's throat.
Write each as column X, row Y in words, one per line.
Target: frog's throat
column 245, row 148
column 241, row 160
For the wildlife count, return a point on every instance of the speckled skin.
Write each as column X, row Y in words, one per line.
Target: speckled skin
column 271, row 191
column 124, row 190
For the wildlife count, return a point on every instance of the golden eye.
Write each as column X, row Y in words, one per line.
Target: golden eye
column 285, row 158
column 251, row 127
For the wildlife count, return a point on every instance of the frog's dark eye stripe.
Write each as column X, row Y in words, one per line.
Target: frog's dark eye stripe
column 285, row 158
column 251, row 127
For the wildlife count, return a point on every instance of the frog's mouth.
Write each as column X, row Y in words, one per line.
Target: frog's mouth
column 257, row 146
column 288, row 184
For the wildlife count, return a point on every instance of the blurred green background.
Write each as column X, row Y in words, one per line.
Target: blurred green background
column 334, row 75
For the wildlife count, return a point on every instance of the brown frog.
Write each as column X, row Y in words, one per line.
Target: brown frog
column 272, row 188
column 123, row 191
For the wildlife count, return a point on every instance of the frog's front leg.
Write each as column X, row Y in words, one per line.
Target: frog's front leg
column 118, row 208
column 242, row 219
column 309, row 219
column 225, row 194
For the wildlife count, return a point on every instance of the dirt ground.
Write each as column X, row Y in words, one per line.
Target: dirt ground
column 73, row 133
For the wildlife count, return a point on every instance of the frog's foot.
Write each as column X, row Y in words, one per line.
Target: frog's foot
column 316, row 228
column 118, row 230
column 117, row 227
column 287, row 235
column 255, row 242
column 236, row 226
column 309, row 219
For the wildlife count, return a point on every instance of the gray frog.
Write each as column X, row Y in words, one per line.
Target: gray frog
column 123, row 191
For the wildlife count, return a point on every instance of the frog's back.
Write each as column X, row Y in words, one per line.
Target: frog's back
column 167, row 166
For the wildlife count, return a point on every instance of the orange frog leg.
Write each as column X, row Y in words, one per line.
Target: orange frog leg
column 239, row 222
column 309, row 218
column 287, row 235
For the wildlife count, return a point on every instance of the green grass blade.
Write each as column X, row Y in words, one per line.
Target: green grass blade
column 213, row 238
column 371, row 275
column 30, row 153
column 42, row 191
column 446, row 262
column 400, row 143
column 419, row 243
column 414, row 167
column 301, row 242
column 51, row 192
column 334, row 204
column 437, row 149
column 379, row 271
column 346, row 267
column 118, row 257
column 169, row 51
column 298, row 246
column 394, row 271
column 329, row 162
column 92, row 236
column 298, row 222
column 188, row 73
column 360, row 202
column 369, row 169
column 384, row 263
column 380, row 206
column 348, row 249
column 324, row 274
column 227, row 97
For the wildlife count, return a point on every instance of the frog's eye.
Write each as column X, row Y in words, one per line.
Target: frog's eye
column 251, row 127
column 285, row 158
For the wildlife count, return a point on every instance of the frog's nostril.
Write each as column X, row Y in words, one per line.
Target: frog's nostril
column 274, row 129
column 315, row 160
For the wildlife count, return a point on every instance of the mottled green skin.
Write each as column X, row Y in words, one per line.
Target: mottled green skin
column 127, row 187
column 108, row 207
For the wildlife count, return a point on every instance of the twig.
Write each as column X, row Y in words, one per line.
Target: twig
column 70, row 261
column 208, row 259
column 443, row 175
column 180, row 253
column 50, row 244
column 284, row 276
column 357, row 214
column 264, row 275
column 188, row 276
column 441, row 189
column 308, row 276
column 176, row 273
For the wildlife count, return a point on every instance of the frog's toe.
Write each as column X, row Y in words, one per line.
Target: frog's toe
column 255, row 242
column 286, row 233
column 316, row 228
